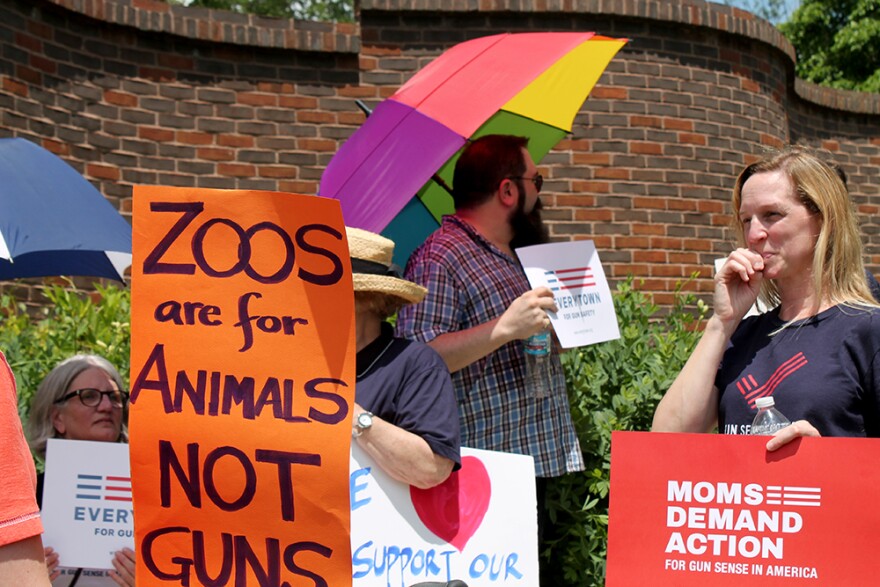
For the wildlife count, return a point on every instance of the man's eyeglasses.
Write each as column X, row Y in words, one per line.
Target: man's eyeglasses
column 538, row 180
column 93, row 397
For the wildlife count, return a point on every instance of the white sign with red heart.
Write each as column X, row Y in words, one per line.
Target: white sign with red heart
column 479, row 526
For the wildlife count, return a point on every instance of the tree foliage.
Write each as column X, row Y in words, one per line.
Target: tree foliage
column 71, row 322
column 328, row 10
column 772, row 10
column 837, row 43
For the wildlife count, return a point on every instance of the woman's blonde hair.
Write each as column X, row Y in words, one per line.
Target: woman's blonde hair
column 53, row 386
column 838, row 269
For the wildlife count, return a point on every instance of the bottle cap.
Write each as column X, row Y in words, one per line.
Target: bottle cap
column 765, row 402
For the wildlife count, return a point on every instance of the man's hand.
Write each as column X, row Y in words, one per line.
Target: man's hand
column 527, row 315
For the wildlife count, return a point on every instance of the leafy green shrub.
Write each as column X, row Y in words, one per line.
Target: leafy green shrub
column 70, row 322
column 612, row 386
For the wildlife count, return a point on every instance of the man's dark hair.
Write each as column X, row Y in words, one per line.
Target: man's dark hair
column 483, row 165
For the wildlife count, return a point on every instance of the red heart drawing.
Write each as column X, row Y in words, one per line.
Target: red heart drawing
column 455, row 509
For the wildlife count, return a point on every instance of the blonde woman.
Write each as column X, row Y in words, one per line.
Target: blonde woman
column 817, row 352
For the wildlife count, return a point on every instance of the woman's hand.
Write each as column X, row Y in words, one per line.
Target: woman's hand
column 123, row 571
column 737, row 284
column 789, row 433
column 52, row 562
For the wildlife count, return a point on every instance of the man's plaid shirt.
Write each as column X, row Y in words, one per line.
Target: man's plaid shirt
column 470, row 281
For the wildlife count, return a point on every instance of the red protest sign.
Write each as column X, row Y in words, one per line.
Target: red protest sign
column 704, row 509
column 242, row 378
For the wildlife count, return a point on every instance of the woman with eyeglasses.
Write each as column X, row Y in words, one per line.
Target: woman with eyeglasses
column 82, row 398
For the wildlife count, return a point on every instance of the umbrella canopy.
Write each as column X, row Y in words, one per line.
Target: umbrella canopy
column 527, row 84
column 53, row 221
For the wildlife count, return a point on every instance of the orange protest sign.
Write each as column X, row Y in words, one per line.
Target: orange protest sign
column 242, row 377
column 704, row 509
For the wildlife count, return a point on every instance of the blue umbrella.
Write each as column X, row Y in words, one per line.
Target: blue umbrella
column 53, row 221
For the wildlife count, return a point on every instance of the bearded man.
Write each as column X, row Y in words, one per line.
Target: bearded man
column 479, row 307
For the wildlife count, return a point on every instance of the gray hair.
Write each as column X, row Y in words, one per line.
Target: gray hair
column 53, row 386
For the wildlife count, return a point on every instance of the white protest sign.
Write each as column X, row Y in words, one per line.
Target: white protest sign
column 573, row 272
column 87, row 509
column 400, row 535
column 479, row 526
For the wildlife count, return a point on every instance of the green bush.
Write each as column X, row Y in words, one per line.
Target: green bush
column 612, row 386
column 70, row 322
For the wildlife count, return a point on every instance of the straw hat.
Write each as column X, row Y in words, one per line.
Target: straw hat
column 372, row 269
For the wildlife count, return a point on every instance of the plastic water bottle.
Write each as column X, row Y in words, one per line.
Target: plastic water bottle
column 768, row 419
column 538, row 369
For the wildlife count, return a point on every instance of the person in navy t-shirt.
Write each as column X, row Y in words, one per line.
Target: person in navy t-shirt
column 405, row 414
column 817, row 352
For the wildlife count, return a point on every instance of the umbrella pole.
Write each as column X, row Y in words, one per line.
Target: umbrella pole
column 439, row 181
column 364, row 108
column 436, row 178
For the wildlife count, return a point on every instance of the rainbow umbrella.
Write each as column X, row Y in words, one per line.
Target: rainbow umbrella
column 527, row 84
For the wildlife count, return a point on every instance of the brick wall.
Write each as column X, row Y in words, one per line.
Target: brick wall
column 140, row 92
